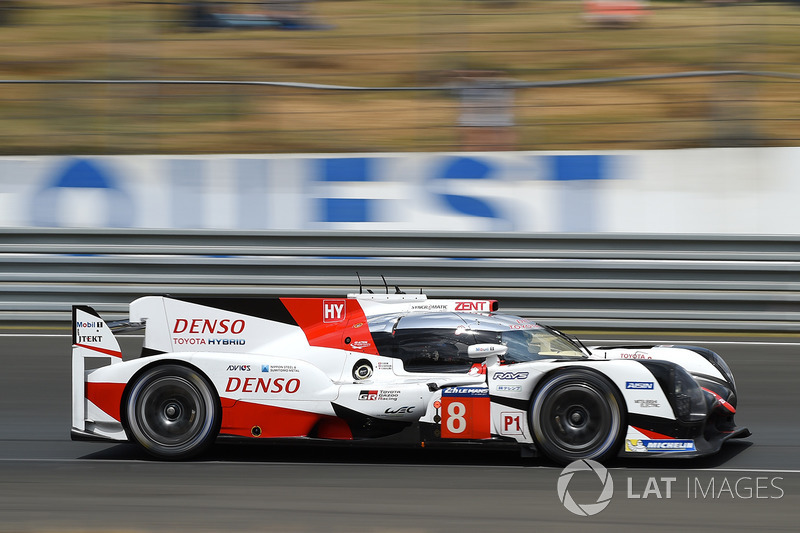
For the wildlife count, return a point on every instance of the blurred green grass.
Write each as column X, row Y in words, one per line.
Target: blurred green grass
column 377, row 43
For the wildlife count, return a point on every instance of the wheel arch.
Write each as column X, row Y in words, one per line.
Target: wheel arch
column 149, row 366
column 619, row 396
column 546, row 376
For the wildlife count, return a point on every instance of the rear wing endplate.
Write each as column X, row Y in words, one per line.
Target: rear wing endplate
column 91, row 338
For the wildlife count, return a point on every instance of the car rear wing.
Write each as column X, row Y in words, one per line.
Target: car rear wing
column 92, row 338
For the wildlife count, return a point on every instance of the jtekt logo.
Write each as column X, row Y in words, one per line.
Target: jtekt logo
column 587, row 509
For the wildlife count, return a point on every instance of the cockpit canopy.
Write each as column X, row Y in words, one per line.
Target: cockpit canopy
column 438, row 342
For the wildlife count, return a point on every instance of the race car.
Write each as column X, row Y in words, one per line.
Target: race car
column 388, row 368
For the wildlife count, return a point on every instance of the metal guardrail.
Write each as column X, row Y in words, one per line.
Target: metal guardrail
column 726, row 283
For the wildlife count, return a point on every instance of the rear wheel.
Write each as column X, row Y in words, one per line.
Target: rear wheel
column 173, row 412
column 577, row 414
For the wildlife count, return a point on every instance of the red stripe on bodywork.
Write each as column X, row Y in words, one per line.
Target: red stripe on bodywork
column 239, row 418
column 113, row 353
column 326, row 326
column 106, row 396
column 652, row 434
column 721, row 401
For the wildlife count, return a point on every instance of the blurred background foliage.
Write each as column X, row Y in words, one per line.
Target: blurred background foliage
column 400, row 44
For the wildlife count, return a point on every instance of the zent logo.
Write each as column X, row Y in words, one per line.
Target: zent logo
column 587, row 509
column 333, row 310
column 470, row 306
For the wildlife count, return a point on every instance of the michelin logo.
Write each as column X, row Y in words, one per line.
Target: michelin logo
column 665, row 445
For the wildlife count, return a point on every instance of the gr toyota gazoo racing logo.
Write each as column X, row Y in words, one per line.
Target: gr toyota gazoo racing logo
column 585, row 509
column 375, row 395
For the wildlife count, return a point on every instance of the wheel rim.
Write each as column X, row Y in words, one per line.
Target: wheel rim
column 171, row 411
column 577, row 418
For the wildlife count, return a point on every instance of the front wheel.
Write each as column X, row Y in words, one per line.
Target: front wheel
column 172, row 412
column 577, row 414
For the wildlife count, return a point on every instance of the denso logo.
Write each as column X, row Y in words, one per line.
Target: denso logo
column 205, row 325
column 471, row 306
column 510, row 375
column 269, row 385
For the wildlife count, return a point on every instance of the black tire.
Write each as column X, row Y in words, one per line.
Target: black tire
column 172, row 412
column 577, row 414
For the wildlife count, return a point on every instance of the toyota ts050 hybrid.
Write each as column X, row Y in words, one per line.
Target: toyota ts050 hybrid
column 389, row 368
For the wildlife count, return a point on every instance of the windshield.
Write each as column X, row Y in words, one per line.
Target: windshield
column 440, row 342
column 538, row 343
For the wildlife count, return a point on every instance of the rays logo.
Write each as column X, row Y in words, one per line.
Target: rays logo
column 587, row 509
column 510, row 375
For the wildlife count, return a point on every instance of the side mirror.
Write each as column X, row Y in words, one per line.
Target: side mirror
column 481, row 351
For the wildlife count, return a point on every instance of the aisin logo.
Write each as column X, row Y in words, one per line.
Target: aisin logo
column 588, row 509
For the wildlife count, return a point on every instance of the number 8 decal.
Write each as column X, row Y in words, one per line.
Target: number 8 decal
column 465, row 413
column 456, row 423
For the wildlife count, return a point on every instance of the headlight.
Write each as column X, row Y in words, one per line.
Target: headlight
column 684, row 394
column 690, row 404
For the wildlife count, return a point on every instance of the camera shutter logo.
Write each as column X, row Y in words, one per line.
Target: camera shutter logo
column 587, row 509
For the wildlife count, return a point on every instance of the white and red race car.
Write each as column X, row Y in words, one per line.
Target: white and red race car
column 388, row 368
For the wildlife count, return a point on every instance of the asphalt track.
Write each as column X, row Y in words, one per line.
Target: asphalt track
column 49, row 483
